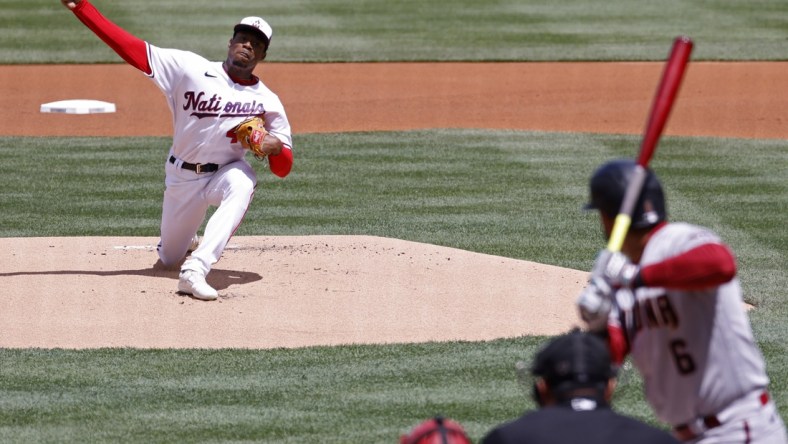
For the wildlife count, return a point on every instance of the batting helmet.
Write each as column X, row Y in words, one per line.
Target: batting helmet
column 437, row 430
column 609, row 184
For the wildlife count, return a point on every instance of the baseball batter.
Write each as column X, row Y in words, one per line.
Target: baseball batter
column 205, row 166
column 679, row 313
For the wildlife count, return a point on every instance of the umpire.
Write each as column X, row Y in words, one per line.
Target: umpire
column 573, row 383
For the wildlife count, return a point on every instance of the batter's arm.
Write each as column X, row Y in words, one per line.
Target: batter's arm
column 617, row 342
column 704, row 266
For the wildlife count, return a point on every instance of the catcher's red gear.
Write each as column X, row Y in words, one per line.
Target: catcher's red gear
column 437, row 430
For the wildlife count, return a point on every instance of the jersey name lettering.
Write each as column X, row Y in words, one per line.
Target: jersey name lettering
column 655, row 312
column 213, row 107
column 198, row 104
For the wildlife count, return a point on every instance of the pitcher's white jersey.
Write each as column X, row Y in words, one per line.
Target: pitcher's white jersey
column 206, row 104
column 694, row 349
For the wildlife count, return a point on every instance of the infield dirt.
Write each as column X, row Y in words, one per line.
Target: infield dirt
column 326, row 290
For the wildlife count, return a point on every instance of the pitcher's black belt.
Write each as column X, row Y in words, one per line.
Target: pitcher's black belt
column 196, row 167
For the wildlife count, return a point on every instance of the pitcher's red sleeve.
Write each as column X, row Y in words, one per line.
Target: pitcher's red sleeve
column 132, row 49
column 705, row 266
column 282, row 162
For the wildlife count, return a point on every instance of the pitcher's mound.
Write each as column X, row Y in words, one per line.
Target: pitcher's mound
column 275, row 292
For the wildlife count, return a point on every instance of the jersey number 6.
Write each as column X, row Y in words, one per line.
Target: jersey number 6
column 683, row 360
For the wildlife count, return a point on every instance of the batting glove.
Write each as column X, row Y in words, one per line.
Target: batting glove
column 620, row 272
column 595, row 303
column 616, row 269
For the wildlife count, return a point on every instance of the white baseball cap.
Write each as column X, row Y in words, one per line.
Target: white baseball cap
column 258, row 25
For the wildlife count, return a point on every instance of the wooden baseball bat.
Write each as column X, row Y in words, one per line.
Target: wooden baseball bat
column 661, row 106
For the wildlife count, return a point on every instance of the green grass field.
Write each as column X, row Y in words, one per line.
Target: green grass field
column 526, row 205
column 423, row 186
column 40, row 31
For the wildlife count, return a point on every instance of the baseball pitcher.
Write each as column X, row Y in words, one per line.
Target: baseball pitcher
column 220, row 111
column 671, row 299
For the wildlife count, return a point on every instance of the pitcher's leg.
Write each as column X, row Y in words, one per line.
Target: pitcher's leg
column 231, row 191
column 183, row 211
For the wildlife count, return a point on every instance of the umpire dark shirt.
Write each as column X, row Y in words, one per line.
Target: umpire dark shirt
column 563, row 425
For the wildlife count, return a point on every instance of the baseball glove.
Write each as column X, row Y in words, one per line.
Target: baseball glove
column 251, row 133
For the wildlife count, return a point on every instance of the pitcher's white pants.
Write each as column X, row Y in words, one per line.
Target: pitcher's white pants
column 188, row 196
